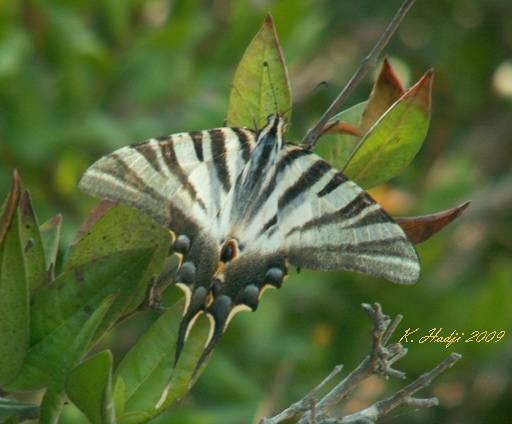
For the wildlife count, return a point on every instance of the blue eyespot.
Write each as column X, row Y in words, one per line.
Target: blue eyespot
column 228, row 251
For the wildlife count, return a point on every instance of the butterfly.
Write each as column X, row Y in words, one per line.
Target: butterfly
column 243, row 206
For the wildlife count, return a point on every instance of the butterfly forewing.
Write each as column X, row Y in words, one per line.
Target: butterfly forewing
column 328, row 223
column 183, row 176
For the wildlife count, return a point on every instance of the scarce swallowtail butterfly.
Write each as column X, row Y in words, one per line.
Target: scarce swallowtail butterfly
column 244, row 205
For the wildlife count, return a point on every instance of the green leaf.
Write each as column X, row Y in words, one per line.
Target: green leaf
column 50, row 234
column 89, row 387
column 337, row 148
column 394, row 140
column 119, row 396
column 14, row 293
column 60, row 310
column 117, row 229
column 9, row 206
column 54, row 397
column 148, row 366
column 32, row 244
column 260, row 81
column 12, row 408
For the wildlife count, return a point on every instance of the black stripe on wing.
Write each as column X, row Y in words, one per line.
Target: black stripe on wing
column 218, row 145
column 286, row 160
column 386, row 248
column 263, row 159
column 268, row 225
column 197, row 139
column 333, row 183
column 351, row 210
column 126, row 175
column 390, row 258
column 307, row 180
column 174, row 167
column 244, row 140
column 378, row 216
column 149, row 153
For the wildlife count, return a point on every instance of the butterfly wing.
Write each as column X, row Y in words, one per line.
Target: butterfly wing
column 180, row 180
column 327, row 222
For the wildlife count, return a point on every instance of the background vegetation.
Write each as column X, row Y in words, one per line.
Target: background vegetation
column 79, row 79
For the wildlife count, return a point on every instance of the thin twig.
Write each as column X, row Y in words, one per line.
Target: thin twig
column 403, row 396
column 366, row 64
column 391, row 328
column 378, row 361
column 312, row 415
column 374, row 363
column 306, row 403
column 337, row 369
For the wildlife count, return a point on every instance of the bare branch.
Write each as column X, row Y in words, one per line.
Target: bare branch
column 391, row 328
column 403, row 396
column 378, row 361
column 421, row 403
column 307, row 403
column 421, row 382
column 366, row 64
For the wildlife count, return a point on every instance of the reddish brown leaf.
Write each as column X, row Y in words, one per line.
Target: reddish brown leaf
column 386, row 91
column 422, row 91
column 340, row 127
column 94, row 216
column 421, row 228
column 10, row 205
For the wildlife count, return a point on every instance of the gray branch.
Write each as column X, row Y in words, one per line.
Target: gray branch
column 307, row 403
column 365, row 66
column 378, row 362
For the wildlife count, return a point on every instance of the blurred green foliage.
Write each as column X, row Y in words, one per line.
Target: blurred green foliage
column 78, row 79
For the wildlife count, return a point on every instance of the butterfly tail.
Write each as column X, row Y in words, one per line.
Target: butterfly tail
column 194, row 307
column 219, row 314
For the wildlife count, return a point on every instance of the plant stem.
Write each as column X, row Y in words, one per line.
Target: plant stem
column 366, row 64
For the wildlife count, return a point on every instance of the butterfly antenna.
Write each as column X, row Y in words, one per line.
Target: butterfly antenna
column 321, row 84
column 276, row 106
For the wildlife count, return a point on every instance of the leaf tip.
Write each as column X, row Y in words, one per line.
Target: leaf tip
column 16, row 185
column 11, row 204
column 424, row 83
column 269, row 20
column 16, row 175
column 93, row 217
column 388, row 76
column 421, row 228
column 26, row 207
column 422, row 90
column 57, row 219
column 461, row 208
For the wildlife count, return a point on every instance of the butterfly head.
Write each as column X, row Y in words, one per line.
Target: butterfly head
column 272, row 132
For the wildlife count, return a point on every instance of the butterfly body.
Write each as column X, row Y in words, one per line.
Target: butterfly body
column 242, row 207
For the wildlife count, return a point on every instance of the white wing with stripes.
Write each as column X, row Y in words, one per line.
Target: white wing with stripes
column 181, row 180
column 327, row 222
